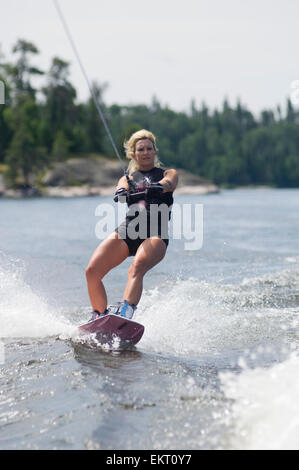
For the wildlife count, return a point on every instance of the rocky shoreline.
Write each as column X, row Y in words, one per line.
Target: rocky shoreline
column 93, row 176
column 87, row 191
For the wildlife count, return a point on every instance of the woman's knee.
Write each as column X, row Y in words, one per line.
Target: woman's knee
column 89, row 272
column 137, row 269
column 93, row 272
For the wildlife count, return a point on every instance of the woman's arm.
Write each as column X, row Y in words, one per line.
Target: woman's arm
column 123, row 183
column 169, row 181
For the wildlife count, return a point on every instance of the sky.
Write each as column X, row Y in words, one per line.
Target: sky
column 175, row 50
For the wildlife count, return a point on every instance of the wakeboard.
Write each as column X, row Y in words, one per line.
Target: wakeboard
column 113, row 329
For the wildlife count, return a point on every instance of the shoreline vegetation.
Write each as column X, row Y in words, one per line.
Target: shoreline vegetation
column 53, row 145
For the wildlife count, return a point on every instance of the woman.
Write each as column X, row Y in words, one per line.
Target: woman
column 148, row 185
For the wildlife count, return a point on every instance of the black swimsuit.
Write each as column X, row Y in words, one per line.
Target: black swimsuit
column 153, row 213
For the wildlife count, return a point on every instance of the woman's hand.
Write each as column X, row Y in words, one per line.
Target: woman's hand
column 121, row 195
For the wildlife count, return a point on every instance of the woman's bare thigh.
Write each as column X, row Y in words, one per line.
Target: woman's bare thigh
column 150, row 253
column 109, row 254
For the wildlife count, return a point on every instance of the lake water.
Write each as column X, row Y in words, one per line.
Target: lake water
column 217, row 367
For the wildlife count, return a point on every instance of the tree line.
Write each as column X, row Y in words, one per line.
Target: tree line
column 230, row 146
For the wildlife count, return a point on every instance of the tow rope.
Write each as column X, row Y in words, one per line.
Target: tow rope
column 92, row 92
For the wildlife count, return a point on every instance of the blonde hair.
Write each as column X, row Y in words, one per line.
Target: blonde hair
column 130, row 147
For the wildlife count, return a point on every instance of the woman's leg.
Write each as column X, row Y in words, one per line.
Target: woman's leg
column 110, row 253
column 150, row 253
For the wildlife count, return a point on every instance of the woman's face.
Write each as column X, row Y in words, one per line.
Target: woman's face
column 145, row 154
